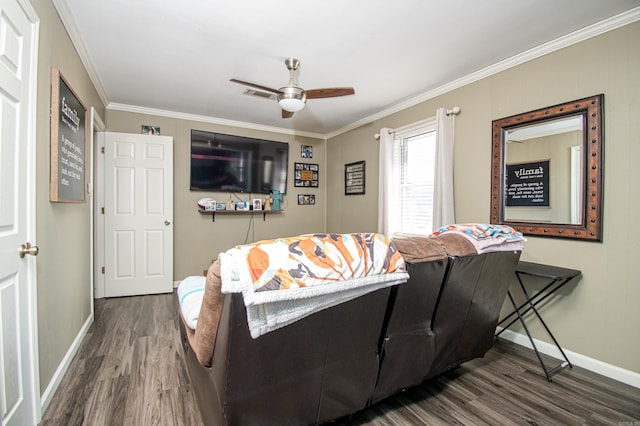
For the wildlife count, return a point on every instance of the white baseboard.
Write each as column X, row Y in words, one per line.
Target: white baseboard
column 48, row 393
column 616, row 373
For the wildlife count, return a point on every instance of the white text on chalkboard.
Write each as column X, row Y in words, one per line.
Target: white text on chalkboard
column 70, row 116
column 71, row 161
column 538, row 171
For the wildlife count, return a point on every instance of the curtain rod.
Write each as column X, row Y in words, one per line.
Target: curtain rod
column 453, row 111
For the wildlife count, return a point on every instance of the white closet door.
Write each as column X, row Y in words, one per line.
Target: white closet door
column 138, row 214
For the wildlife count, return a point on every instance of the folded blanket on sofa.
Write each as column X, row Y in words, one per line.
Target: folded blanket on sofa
column 416, row 249
column 286, row 279
column 190, row 294
column 485, row 237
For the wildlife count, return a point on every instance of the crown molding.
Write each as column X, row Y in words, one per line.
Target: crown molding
column 211, row 120
column 586, row 33
column 72, row 30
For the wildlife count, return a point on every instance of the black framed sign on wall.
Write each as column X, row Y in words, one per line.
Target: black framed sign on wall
column 527, row 184
column 67, row 181
column 354, row 178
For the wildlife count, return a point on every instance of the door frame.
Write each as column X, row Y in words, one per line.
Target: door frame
column 98, row 162
column 97, row 218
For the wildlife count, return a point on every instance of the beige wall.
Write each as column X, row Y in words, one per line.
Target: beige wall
column 599, row 316
column 62, row 230
column 197, row 239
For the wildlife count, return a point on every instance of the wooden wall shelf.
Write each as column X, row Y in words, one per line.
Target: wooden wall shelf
column 239, row 212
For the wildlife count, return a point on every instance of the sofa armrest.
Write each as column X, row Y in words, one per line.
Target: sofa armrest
column 202, row 340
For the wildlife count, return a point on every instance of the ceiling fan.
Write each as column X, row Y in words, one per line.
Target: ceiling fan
column 292, row 97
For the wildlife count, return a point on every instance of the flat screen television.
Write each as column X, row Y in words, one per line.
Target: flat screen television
column 228, row 163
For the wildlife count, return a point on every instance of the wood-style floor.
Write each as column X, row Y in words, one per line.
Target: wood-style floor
column 129, row 371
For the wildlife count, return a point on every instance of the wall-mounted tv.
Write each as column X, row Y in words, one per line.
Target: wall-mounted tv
column 228, row 163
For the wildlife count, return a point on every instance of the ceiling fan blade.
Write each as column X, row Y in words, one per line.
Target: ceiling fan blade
column 256, row 86
column 329, row 92
column 287, row 114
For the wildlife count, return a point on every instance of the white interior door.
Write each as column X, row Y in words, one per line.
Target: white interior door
column 18, row 348
column 138, row 214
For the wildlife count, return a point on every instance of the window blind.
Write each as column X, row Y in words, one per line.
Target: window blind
column 414, row 159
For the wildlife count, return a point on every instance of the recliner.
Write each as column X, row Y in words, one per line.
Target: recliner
column 345, row 358
column 434, row 328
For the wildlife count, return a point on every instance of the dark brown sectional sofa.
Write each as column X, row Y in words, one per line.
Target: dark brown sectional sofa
column 342, row 359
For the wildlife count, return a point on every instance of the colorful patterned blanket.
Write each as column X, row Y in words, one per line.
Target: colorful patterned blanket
column 486, row 237
column 285, row 279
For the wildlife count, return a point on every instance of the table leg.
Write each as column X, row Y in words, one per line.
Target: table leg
column 526, row 329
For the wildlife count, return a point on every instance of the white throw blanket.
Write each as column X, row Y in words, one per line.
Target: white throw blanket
column 190, row 294
column 287, row 279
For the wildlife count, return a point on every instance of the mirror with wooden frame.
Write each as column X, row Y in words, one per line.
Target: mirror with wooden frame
column 547, row 170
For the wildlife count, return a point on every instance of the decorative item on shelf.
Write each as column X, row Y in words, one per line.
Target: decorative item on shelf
column 242, row 206
column 231, row 206
column 266, row 203
column 276, row 196
column 257, row 204
column 207, row 204
column 221, row 206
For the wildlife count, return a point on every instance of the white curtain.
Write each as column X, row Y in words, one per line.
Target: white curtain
column 385, row 180
column 443, row 208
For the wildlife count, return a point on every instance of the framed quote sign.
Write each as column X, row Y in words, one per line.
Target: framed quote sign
column 67, row 181
column 527, row 184
column 354, row 178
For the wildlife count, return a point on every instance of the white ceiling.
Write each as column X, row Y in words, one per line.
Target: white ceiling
column 175, row 58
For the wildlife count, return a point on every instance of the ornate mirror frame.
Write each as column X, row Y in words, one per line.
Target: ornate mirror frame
column 590, row 226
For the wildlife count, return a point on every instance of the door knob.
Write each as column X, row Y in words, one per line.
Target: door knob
column 27, row 248
column 167, row 222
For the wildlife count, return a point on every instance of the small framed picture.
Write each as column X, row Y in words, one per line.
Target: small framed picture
column 306, row 199
column 257, row 203
column 150, row 130
column 306, row 151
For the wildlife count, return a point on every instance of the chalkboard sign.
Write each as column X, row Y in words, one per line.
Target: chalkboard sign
column 68, row 143
column 527, row 184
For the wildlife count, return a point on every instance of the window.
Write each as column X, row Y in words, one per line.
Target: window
column 416, row 155
column 412, row 174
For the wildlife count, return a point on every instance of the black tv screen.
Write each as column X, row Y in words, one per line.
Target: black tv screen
column 229, row 163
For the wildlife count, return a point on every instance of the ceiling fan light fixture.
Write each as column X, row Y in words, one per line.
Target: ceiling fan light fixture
column 292, row 99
